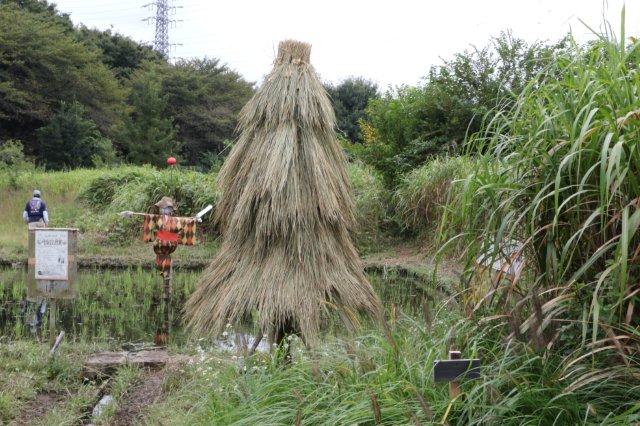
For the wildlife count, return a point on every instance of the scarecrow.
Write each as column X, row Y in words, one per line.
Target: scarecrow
column 285, row 215
column 166, row 232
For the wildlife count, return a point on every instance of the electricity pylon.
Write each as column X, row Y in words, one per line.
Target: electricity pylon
column 161, row 40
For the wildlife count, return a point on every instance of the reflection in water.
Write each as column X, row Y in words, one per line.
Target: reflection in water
column 126, row 306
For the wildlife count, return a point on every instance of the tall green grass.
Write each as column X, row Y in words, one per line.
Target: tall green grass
column 371, row 200
column 372, row 380
column 560, row 173
column 59, row 190
column 426, row 193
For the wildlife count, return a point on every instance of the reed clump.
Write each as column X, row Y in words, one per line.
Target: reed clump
column 424, row 193
column 567, row 189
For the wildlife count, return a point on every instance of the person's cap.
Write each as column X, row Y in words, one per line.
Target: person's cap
column 165, row 202
column 36, row 193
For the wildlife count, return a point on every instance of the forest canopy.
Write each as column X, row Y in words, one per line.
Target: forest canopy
column 137, row 106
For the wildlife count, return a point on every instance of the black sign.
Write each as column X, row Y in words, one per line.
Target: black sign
column 456, row 369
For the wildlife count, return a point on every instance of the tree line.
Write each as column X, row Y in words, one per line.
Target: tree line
column 77, row 97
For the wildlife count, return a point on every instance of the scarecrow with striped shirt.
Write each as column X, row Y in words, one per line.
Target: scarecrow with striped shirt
column 166, row 232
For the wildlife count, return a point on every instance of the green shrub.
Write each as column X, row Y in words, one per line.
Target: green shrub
column 100, row 191
column 191, row 191
column 139, row 188
column 13, row 162
column 424, row 193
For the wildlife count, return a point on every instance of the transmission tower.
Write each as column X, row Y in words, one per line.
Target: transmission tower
column 161, row 40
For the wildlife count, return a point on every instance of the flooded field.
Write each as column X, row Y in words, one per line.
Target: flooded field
column 126, row 305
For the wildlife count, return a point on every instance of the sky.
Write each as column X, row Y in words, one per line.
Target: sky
column 390, row 42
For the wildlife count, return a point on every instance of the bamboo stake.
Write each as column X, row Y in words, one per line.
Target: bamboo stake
column 52, row 321
column 167, row 300
column 426, row 313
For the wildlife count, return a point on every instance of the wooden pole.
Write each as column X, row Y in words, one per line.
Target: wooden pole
column 52, row 321
column 454, row 386
column 167, row 301
column 256, row 342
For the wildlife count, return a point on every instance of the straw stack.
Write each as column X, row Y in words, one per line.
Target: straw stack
column 285, row 215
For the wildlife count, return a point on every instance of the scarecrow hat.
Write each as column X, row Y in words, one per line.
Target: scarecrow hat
column 165, row 202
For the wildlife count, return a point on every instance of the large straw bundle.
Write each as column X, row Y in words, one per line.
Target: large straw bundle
column 285, row 214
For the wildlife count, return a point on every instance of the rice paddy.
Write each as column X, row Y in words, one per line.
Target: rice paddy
column 110, row 306
column 118, row 306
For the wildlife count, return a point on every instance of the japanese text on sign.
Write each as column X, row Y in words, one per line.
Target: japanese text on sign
column 51, row 252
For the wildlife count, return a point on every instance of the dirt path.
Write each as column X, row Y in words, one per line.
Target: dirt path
column 39, row 407
column 132, row 404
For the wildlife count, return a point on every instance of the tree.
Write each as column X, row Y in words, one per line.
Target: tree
column 121, row 54
column 41, row 64
column 350, row 99
column 13, row 162
column 407, row 126
column 44, row 9
column 149, row 135
column 71, row 140
column 205, row 99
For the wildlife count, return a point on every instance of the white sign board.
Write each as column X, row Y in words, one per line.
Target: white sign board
column 508, row 259
column 52, row 255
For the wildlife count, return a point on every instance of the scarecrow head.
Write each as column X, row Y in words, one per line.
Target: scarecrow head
column 166, row 206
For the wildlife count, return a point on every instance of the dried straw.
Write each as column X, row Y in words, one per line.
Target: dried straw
column 285, row 214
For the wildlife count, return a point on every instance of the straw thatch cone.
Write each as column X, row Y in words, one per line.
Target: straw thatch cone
column 285, row 214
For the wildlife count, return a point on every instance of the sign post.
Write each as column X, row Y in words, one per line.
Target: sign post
column 52, row 268
column 454, row 370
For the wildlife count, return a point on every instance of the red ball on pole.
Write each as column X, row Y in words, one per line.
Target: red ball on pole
column 171, row 161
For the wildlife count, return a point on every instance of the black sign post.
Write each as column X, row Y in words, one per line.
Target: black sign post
column 454, row 370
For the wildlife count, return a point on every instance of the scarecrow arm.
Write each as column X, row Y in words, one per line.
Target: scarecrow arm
column 128, row 214
column 203, row 212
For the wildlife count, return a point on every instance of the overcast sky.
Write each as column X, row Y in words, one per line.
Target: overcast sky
column 390, row 42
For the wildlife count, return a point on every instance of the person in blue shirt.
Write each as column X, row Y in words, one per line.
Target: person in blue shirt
column 35, row 213
column 36, row 216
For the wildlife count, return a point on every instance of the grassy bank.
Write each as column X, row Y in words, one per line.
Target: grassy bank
column 91, row 199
